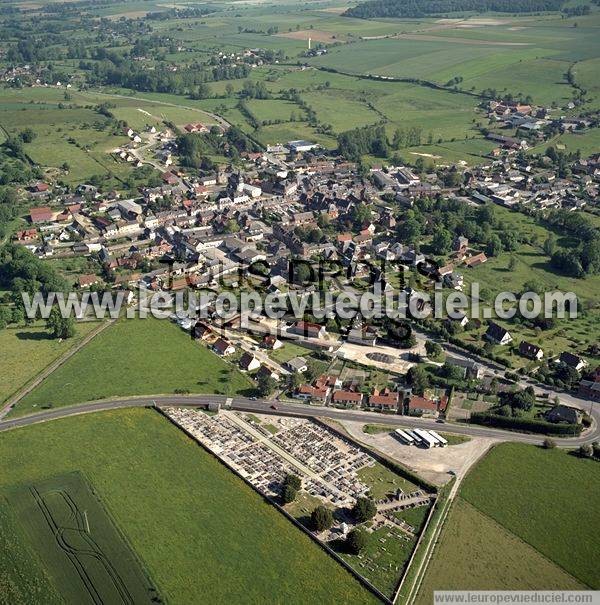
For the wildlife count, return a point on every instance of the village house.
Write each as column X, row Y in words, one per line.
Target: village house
column 271, row 342
column 85, row 281
column 307, row 392
column 249, row 362
column 421, row 406
column 296, row 365
column 347, row 399
column 572, row 360
column 385, row 401
column 497, row 334
column 308, row 329
column 223, row 348
column 564, row 413
column 202, row 331
column 531, row 351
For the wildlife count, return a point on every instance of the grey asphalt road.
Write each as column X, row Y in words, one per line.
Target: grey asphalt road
column 297, row 409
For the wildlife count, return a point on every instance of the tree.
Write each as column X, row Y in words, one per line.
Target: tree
column 229, row 89
column 494, row 245
column 442, row 241
column 27, row 135
column 5, row 317
column 266, row 385
column 202, row 92
column 288, row 494
column 418, row 378
column 321, row 518
column 433, row 349
column 356, row 541
column 550, row 245
column 291, row 485
column 549, row 444
column 60, row 327
column 364, row 509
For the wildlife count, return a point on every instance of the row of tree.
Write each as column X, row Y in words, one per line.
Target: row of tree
column 422, row 8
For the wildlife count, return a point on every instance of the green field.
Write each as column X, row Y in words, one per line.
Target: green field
column 67, row 526
column 475, row 553
column 69, row 130
column 549, row 499
column 199, row 531
column 36, row 346
column 136, row 357
column 22, row 577
column 526, row 518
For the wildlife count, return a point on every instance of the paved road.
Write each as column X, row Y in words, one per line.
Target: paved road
column 295, row 409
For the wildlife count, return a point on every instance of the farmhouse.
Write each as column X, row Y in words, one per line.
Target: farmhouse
column 43, row 214
column 476, row 260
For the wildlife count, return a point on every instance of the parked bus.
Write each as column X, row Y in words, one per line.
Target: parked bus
column 427, row 440
column 404, row 437
column 443, row 442
column 417, row 438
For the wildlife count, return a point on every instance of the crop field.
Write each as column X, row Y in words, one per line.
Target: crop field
column 136, row 357
column 549, row 499
column 22, row 576
column 200, row 533
column 67, row 526
column 36, row 346
column 476, row 553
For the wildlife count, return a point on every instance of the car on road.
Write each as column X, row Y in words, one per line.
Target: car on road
column 274, row 407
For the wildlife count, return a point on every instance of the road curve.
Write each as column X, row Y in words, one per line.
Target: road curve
column 294, row 409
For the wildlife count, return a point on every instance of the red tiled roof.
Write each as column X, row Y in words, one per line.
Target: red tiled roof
column 421, row 403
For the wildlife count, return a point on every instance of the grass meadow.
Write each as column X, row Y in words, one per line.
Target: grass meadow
column 476, row 553
column 201, row 533
column 547, row 498
column 136, row 357
column 35, row 345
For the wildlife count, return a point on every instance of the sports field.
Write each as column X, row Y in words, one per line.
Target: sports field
column 136, row 357
column 199, row 531
column 66, row 525
column 525, row 518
